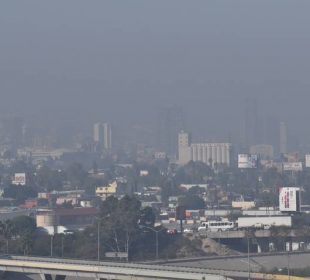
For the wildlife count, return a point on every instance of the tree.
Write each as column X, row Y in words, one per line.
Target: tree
column 76, row 174
column 147, row 217
column 25, row 227
column 19, row 193
column 23, row 224
column 193, row 173
column 192, row 202
column 119, row 221
column 7, row 230
column 48, row 179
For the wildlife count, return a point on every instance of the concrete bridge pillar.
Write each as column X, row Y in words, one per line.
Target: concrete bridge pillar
column 60, row 277
column 50, row 277
column 46, row 276
column 262, row 245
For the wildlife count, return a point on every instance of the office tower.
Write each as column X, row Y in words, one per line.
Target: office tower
column 209, row 153
column 283, row 138
column 98, row 132
column 171, row 122
column 271, row 132
column 252, row 133
column 184, row 147
column 107, row 136
column 103, row 136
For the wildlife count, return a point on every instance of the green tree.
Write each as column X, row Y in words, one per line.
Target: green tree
column 76, row 174
column 25, row 227
column 48, row 179
column 19, row 193
column 147, row 217
column 119, row 221
column 192, row 202
column 7, row 230
column 193, row 173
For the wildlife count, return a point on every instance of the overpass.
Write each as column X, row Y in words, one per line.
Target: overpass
column 59, row 269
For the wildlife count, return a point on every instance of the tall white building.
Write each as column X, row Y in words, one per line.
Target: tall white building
column 209, row 153
column 184, row 150
column 103, row 135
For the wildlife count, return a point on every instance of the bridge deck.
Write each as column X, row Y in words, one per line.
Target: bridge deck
column 109, row 270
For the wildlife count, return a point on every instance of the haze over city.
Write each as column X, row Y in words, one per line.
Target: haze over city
column 154, row 139
column 73, row 63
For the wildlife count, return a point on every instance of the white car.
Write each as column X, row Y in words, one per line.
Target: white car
column 188, row 230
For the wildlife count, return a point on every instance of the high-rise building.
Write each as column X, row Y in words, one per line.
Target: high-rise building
column 103, row 136
column 283, row 138
column 209, row 153
column 171, row 122
column 98, row 132
column 251, row 123
column 184, row 150
column 107, row 136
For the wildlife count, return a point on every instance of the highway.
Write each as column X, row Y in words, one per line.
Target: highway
column 45, row 267
column 212, row 268
column 257, row 261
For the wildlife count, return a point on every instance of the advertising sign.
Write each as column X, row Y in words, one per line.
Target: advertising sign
column 307, row 160
column 292, row 166
column 19, row 179
column 247, row 161
column 289, row 200
column 181, row 213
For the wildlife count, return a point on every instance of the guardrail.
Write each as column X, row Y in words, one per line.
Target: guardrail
column 118, row 270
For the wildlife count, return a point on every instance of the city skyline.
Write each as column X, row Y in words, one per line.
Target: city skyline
column 70, row 72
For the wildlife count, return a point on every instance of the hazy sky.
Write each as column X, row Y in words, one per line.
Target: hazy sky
column 81, row 61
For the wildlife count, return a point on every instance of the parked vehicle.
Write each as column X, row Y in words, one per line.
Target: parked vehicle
column 172, row 231
column 188, row 230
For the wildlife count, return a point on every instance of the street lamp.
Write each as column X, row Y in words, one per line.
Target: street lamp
column 52, row 239
column 98, row 240
column 62, row 245
column 156, row 236
column 248, row 243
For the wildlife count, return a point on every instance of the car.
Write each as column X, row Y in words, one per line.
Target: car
column 188, row 230
column 172, row 231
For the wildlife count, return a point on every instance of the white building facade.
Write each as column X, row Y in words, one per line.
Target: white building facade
column 209, row 153
column 103, row 135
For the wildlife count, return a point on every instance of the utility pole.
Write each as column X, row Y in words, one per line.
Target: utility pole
column 156, row 245
column 52, row 239
column 288, row 264
column 156, row 239
column 98, row 241
column 249, row 264
column 62, row 245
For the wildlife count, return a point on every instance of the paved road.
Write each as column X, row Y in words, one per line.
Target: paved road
column 19, row 276
column 257, row 263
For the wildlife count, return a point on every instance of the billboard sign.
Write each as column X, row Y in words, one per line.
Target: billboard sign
column 292, row 166
column 120, row 255
column 289, row 200
column 181, row 213
column 247, row 161
column 307, row 160
column 19, row 179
